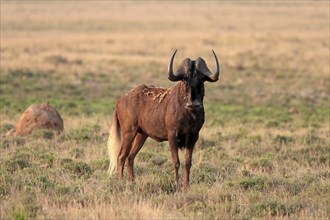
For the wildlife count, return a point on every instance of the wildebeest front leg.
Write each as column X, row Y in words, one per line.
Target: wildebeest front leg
column 190, row 143
column 173, row 142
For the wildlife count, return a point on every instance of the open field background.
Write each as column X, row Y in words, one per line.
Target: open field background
column 263, row 151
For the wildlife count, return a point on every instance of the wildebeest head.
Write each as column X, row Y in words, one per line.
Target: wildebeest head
column 194, row 73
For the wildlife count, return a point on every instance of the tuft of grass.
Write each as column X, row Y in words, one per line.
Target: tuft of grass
column 79, row 168
column 275, row 209
column 264, row 162
column 205, row 173
column 84, row 134
column 42, row 133
column 100, row 164
column 6, row 127
column 26, row 208
column 19, row 214
column 253, row 182
column 283, row 139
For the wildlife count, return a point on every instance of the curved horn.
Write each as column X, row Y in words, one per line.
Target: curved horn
column 171, row 75
column 217, row 68
column 205, row 71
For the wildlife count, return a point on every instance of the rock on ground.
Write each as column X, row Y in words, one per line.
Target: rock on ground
column 39, row 116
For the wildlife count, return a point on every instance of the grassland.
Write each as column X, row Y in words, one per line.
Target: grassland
column 263, row 151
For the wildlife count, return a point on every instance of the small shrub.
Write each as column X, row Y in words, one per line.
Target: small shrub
column 197, row 206
column 101, row 164
column 296, row 186
column 144, row 156
column 57, row 59
column 159, row 160
column 256, row 182
column 19, row 141
column 313, row 140
column 47, row 158
column 84, row 134
column 229, row 168
column 242, row 133
column 5, row 143
column 25, row 208
column 214, row 152
column 78, row 168
column 328, row 205
column 6, row 127
column 282, row 139
column 247, row 183
column 167, row 184
column 17, row 164
column 255, row 139
column 205, row 173
column 275, row 208
column 284, row 118
column 324, row 159
column 45, row 184
column 272, row 124
column 19, row 214
column 265, row 162
column 77, row 152
column 66, row 190
column 246, row 173
column 205, row 143
column 43, row 133
column 150, row 187
column 6, row 182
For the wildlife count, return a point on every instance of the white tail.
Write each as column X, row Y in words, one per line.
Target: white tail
column 114, row 144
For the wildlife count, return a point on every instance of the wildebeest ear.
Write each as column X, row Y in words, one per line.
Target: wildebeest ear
column 203, row 69
column 184, row 68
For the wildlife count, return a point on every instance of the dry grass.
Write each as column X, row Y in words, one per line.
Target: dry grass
column 263, row 151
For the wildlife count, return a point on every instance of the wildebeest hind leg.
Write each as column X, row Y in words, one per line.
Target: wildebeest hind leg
column 126, row 146
column 138, row 142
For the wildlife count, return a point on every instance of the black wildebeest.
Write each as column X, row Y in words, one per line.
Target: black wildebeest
column 175, row 114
